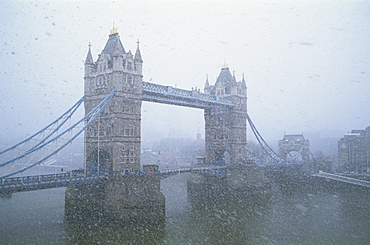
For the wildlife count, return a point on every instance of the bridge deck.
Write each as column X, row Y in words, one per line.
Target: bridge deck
column 48, row 181
column 343, row 179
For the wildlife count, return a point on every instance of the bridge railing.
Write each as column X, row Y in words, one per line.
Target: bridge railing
column 154, row 87
column 343, row 179
column 27, row 183
column 179, row 91
column 189, row 169
column 206, row 96
column 212, row 170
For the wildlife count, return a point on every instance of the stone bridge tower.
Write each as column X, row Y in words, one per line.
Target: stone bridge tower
column 225, row 127
column 112, row 142
column 294, row 143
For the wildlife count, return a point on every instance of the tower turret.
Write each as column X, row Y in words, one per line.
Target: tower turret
column 138, row 60
column 89, row 63
column 207, row 88
column 90, row 69
column 244, row 85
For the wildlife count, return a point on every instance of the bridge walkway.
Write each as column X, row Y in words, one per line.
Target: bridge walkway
column 174, row 96
column 48, row 181
column 45, row 181
column 343, row 179
column 214, row 170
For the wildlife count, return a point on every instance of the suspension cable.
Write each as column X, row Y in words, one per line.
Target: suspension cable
column 72, row 110
column 93, row 114
column 263, row 143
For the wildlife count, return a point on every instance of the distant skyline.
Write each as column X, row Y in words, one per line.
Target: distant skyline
column 306, row 63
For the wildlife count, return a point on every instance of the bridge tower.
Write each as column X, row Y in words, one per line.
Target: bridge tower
column 294, row 143
column 225, row 127
column 112, row 142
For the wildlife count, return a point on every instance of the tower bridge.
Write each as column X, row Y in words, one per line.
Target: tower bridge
column 224, row 104
column 113, row 142
column 113, row 181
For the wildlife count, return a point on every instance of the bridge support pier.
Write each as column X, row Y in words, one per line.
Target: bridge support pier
column 118, row 198
column 238, row 181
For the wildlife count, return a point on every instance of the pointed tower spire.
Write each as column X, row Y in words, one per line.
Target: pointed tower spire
column 138, row 60
column 89, row 63
column 89, row 58
column 137, row 53
column 114, row 47
column 207, row 82
column 243, row 82
column 207, row 88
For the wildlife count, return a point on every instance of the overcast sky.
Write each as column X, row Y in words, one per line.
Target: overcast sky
column 306, row 63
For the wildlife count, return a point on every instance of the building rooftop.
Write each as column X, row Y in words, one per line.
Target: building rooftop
column 113, row 46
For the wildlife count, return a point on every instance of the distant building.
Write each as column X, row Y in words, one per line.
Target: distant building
column 297, row 144
column 175, row 152
column 354, row 152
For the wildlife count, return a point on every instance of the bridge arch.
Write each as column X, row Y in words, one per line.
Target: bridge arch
column 222, row 157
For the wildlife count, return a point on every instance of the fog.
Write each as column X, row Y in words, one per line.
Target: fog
column 306, row 63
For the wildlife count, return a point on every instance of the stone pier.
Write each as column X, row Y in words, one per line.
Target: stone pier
column 129, row 198
column 237, row 181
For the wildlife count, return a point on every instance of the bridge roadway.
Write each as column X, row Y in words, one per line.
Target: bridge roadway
column 48, row 181
column 343, row 179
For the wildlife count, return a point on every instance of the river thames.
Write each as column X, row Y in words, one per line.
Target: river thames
column 291, row 215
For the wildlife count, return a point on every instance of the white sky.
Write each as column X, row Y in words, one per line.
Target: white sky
column 306, row 63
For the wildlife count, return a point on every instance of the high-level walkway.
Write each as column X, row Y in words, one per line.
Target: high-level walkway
column 175, row 96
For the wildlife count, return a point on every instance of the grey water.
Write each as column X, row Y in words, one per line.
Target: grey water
column 291, row 215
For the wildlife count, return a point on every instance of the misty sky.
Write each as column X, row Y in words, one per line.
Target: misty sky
column 306, row 63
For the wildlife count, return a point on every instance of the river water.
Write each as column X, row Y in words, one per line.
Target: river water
column 299, row 215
